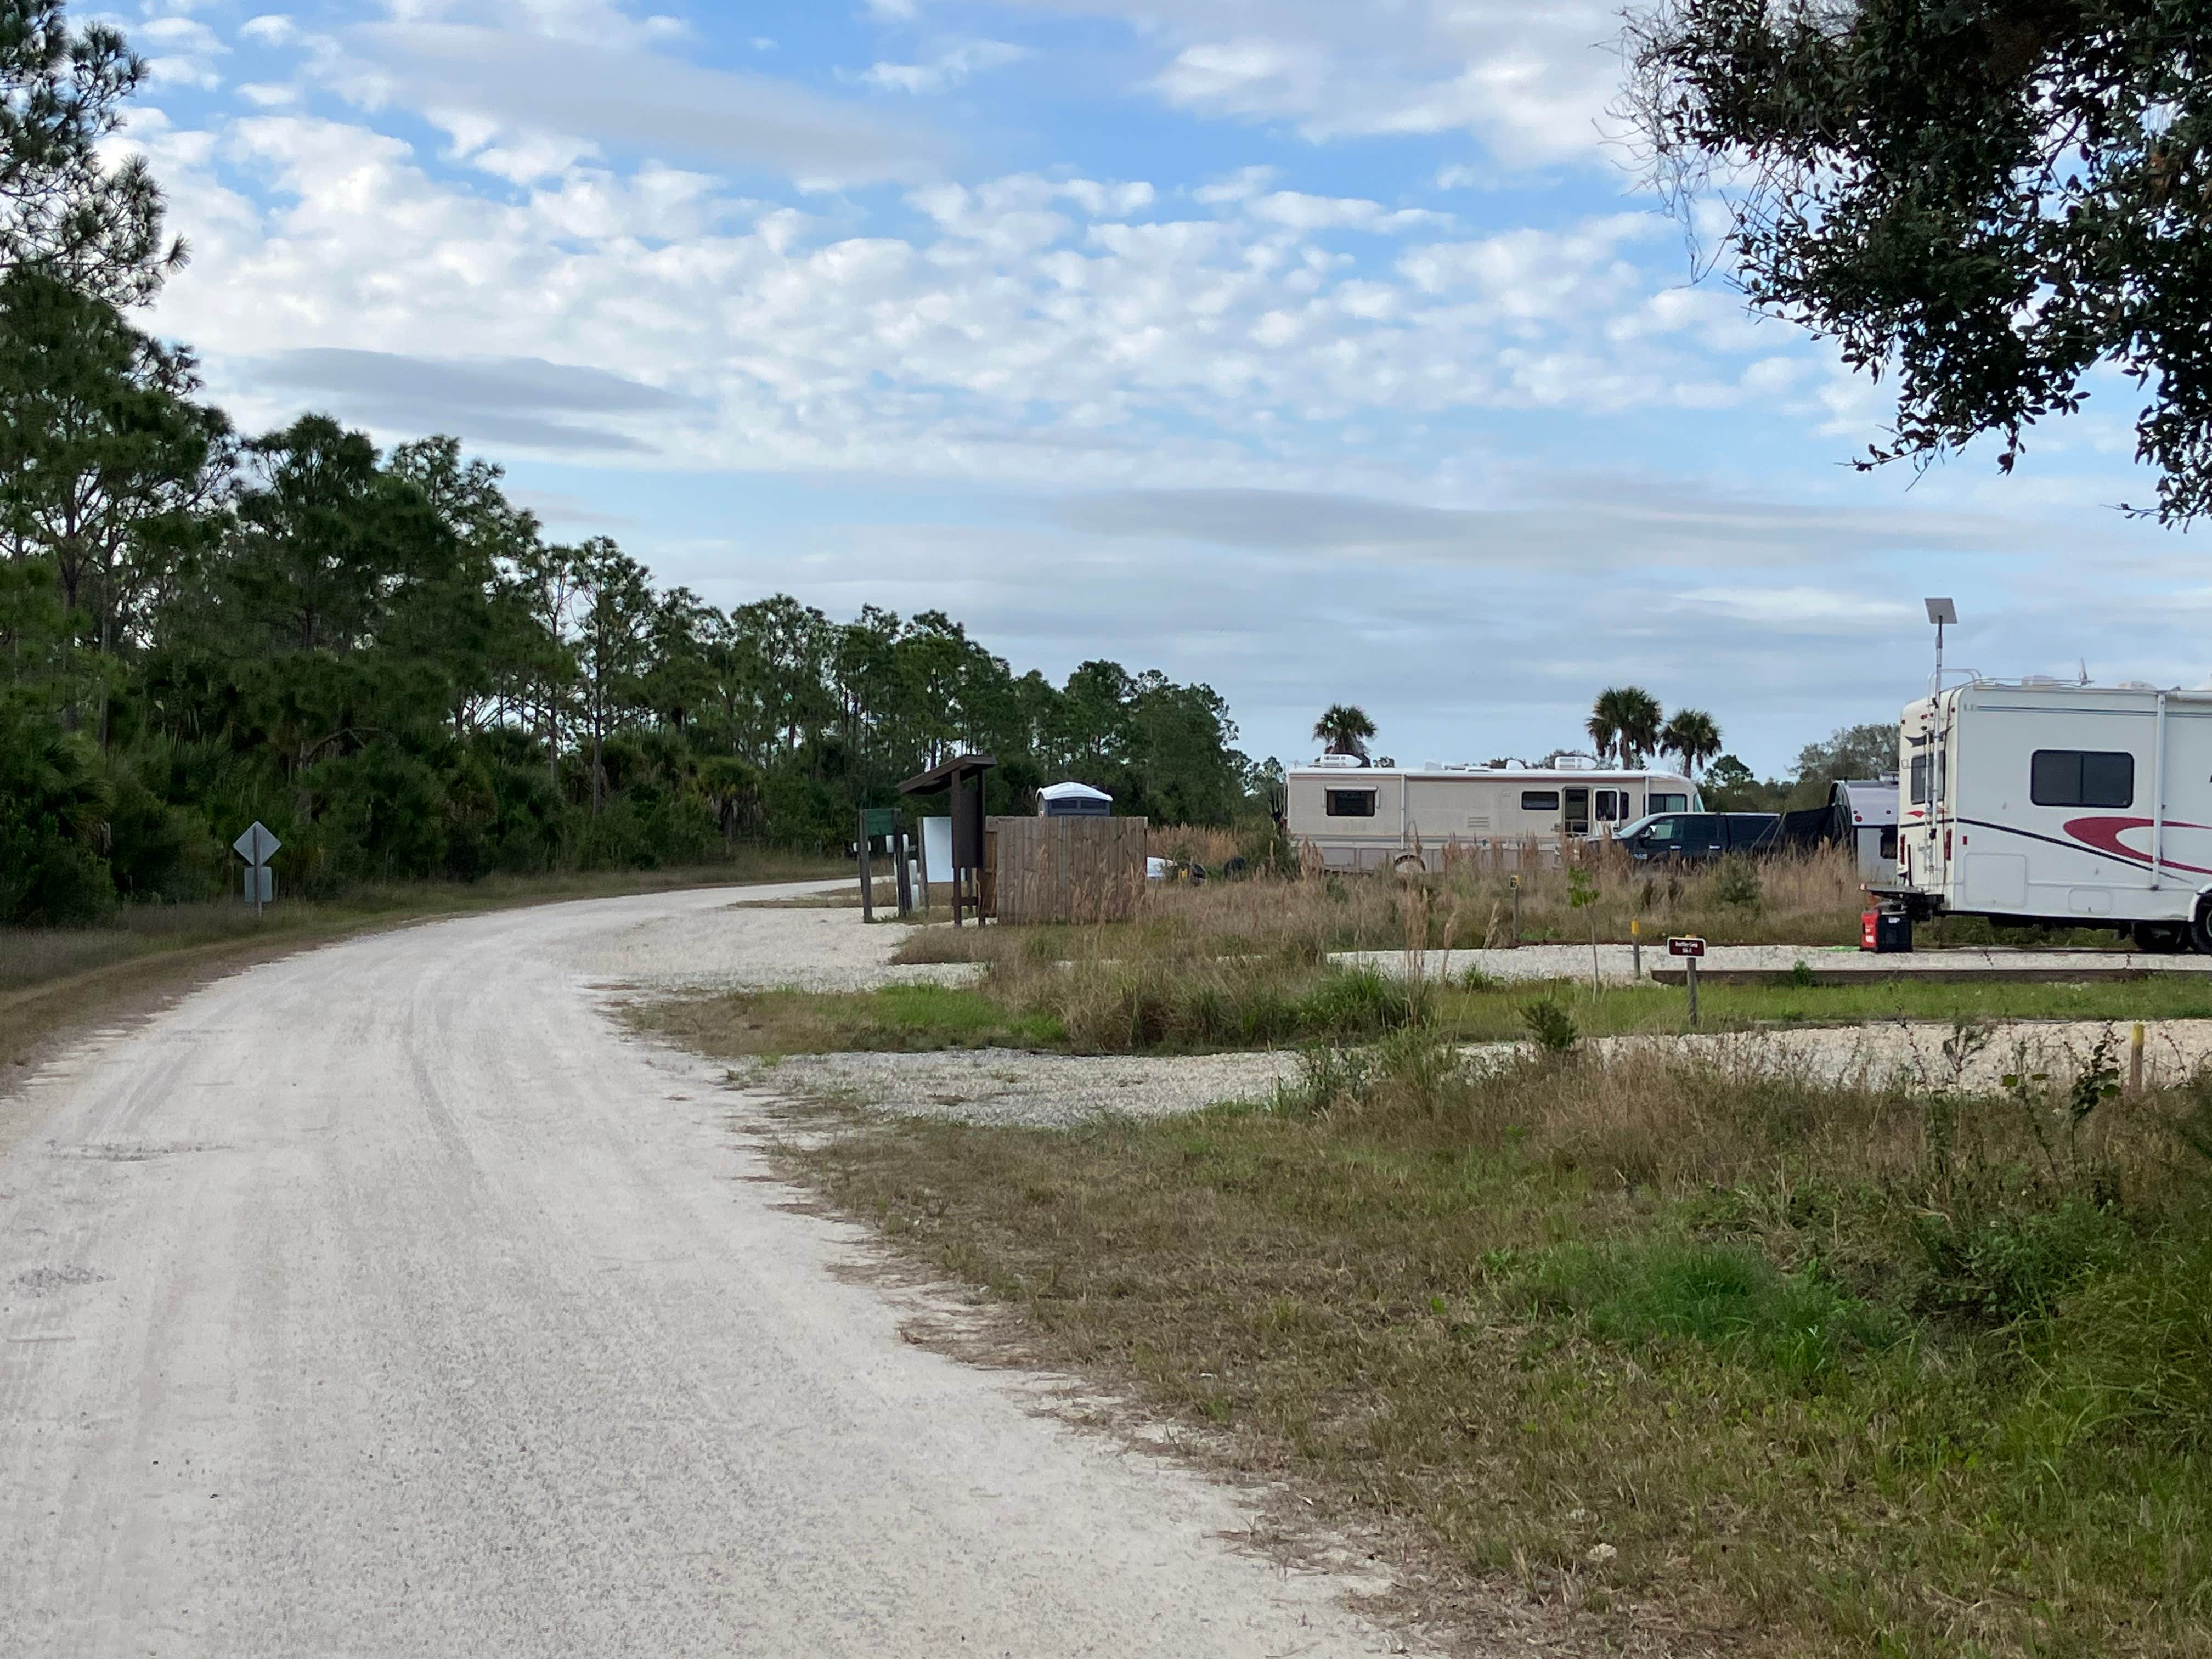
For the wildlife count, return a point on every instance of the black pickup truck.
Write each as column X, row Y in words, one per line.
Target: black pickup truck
column 1687, row 836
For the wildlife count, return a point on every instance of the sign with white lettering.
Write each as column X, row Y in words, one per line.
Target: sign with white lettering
column 1685, row 947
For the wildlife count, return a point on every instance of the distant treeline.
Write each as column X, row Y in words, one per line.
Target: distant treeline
column 381, row 656
column 385, row 659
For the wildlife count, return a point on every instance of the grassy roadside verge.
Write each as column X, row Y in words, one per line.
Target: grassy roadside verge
column 1091, row 1008
column 1664, row 1348
column 55, row 982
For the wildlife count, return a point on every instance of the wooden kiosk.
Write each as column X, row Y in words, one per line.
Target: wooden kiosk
column 963, row 780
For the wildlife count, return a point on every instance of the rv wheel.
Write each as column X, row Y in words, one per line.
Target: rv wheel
column 2160, row 938
column 2200, row 930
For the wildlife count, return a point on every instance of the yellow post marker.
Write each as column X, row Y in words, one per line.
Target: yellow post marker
column 2134, row 1059
column 1636, row 947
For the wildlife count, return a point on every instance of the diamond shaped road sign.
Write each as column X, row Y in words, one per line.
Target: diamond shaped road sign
column 257, row 844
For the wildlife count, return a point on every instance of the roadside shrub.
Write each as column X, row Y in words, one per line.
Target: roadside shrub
column 1357, row 1002
column 1736, row 884
column 1551, row 1027
column 2001, row 1268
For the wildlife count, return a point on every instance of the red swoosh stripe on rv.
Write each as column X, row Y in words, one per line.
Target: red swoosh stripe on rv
column 2104, row 834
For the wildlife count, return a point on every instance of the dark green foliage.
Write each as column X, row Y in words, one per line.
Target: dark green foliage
column 1984, row 201
column 63, row 209
column 1551, row 1027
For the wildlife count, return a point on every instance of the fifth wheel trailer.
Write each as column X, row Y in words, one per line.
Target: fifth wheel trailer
column 1363, row 817
column 2039, row 801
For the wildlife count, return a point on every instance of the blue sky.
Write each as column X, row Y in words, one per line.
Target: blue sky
column 1321, row 352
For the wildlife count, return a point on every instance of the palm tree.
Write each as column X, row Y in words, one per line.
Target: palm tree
column 1346, row 729
column 1694, row 735
column 1625, row 720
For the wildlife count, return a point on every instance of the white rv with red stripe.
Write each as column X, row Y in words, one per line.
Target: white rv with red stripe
column 2039, row 801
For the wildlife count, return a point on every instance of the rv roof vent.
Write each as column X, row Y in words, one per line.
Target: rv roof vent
column 1339, row 761
column 2137, row 685
column 1432, row 766
column 2041, row 679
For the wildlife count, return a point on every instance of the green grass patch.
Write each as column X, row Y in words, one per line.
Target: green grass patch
column 1494, row 1011
column 898, row 1018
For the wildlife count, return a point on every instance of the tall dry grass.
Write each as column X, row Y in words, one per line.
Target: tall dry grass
column 1811, row 898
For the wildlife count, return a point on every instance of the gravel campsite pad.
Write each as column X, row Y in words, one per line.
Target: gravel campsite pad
column 749, row 947
column 1005, row 1086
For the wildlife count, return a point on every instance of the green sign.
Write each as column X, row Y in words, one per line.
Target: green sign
column 879, row 821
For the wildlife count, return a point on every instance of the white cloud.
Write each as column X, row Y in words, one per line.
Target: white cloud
column 1035, row 328
column 1800, row 610
column 1532, row 81
column 948, row 69
column 1300, row 211
column 593, row 78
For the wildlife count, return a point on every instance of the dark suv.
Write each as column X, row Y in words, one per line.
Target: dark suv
column 1689, row 836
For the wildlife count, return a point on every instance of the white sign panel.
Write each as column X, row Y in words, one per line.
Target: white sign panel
column 937, row 848
column 257, row 845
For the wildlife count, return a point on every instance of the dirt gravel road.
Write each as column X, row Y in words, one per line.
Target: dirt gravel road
column 386, row 1300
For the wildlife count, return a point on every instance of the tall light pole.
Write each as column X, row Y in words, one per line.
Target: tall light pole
column 1942, row 613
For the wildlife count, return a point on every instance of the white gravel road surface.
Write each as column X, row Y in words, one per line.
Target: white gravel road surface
column 388, row 1301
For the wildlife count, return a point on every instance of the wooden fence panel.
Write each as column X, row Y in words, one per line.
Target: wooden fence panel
column 1068, row 869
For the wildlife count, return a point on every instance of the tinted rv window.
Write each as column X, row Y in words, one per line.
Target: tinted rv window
column 2081, row 777
column 1539, row 800
column 1920, row 769
column 1667, row 803
column 1351, row 803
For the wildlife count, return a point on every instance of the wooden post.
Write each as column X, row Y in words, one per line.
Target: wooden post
column 867, row 876
column 1691, row 964
column 905, row 875
column 1636, row 947
column 1517, row 909
column 2134, row 1059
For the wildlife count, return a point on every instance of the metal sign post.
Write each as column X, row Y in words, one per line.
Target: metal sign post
column 256, row 846
column 874, row 821
column 1692, row 951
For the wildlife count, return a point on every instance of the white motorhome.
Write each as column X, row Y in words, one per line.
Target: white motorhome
column 1368, row 817
column 2036, row 800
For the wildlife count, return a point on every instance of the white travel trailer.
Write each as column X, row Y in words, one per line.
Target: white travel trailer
column 1866, row 813
column 1363, row 817
column 2036, row 800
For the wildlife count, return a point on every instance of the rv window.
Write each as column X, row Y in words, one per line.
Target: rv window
column 2078, row 777
column 1539, row 800
column 1667, row 803
column 1920, row 769
column 1351, row 803
column 1889, row 841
